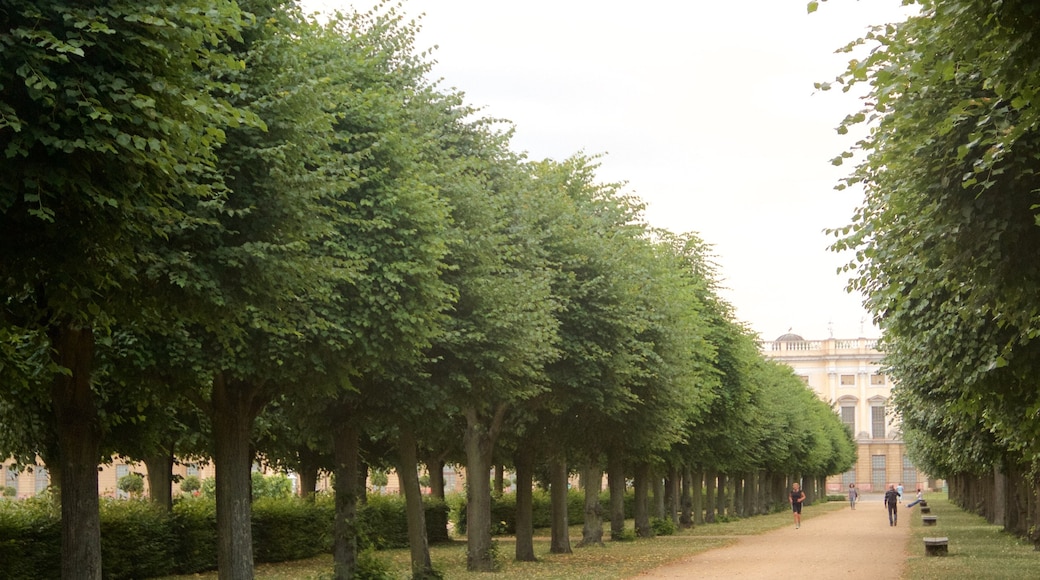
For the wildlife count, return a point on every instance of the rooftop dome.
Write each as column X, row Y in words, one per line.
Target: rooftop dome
column 789, row 337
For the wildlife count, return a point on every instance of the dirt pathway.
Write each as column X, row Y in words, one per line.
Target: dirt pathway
column 843, row 544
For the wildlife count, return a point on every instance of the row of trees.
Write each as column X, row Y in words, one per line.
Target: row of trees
column 947, row 239
column 230, row 230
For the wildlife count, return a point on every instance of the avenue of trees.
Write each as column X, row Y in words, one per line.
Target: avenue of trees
column 234, row 232
column 947, row 240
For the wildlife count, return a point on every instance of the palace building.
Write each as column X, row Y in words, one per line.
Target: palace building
column 847, row 374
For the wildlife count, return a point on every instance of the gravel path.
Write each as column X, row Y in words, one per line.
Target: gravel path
column 843, row 544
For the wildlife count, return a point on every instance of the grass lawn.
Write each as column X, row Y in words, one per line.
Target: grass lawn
column 612, row 560
column 976, row 549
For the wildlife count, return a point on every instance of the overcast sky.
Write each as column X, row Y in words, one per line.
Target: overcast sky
column 705, row 108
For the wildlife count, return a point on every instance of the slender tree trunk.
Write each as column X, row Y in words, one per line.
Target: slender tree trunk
column 616, row 483
column 560, row 540
column 435, row 468
column 346, row 446
column 592, row 530
column 500, row 479
column 362, row 477
column 308, row 459
column 671, row 494
column 686, row 501
column 160, row 478
column 657, row 483
column 642, row 507
column 408, row 460
column 234, row 409
column 478, row 446
column 710, row 483
column 524, row 463
column 720, row 499
column 79, row 445
column 697, row 486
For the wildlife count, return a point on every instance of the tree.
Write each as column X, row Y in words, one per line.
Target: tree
column 946, row 237
column 108, row 121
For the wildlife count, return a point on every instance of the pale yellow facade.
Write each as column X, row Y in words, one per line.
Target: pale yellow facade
column 847, row 374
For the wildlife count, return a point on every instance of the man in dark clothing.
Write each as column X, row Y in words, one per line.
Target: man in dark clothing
column 892, row 503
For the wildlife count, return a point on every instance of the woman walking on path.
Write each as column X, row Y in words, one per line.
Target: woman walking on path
column 853, row 495
column 797, row 497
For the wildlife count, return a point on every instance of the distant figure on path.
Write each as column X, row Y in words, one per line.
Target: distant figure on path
column 892, row 504
column 920, row 498
column 899, row 490
column 797, row 497
column 853, row 495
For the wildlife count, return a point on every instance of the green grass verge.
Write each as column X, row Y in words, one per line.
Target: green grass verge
column 977, row 549
column 613, row 560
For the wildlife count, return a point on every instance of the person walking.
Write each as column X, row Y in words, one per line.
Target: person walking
column 797, row 497
column 892, row 504
column 853, row 495
column 920, row 498
column 899, row 490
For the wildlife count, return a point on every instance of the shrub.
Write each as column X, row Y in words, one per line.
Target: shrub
column 191, row 483
column 10, row 491
column 131, row 483
column 277, row 486
column 30, row 538
column 291, row 529
column 135, row 539
column 663, row 526
column 193, row 525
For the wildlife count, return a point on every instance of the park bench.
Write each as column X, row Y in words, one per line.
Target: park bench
column 929, row 520
column 936, row 546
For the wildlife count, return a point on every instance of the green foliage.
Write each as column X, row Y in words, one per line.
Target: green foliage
column 135, row 539
column 10, row 491
column 30, row 538
column 131, row 483
column 194, row 525
column 291, row 528
column 191, row 483
column 945, row 240
column 664, row 526
column 277, row 486
column 503, row 509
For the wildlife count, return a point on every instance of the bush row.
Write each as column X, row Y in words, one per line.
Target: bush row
column 503, row 510
column 140, row 540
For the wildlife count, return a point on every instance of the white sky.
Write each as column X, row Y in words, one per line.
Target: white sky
column 705, row 108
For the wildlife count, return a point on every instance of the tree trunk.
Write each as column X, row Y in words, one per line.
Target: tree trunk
column 308, row 459
column 721, row 498
column 686, row 501
column 616, row 483
column 408, row 460
column 657, row 483
column 592, row 530
column 642, row 507
column 500, row 479
column 346, row 446
column 160, row 479
column 671, row 494
column 233, row 406
column 79, row 445
column 435, row 469
column 710, row 482
column 697, row 487
column 478, row 445
column 523, row 461
column 559, row 537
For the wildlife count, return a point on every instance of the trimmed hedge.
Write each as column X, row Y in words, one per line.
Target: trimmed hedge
column 503, row 510
column 139, row 540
